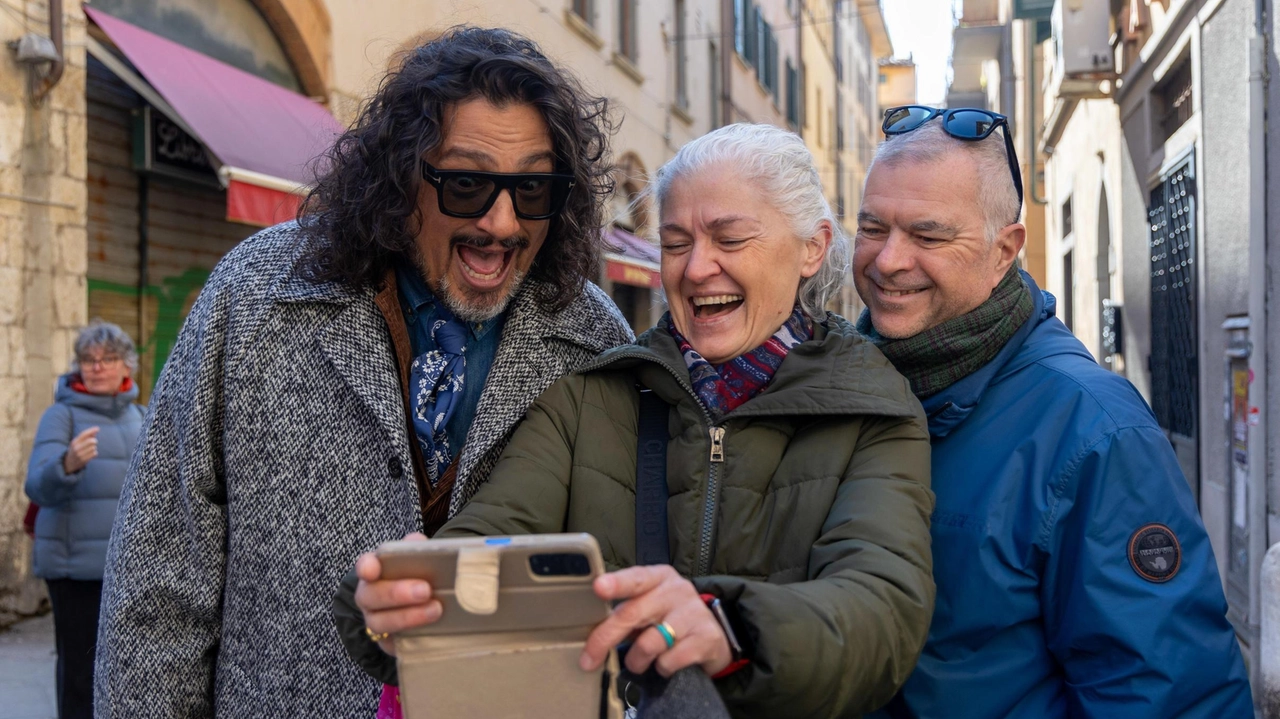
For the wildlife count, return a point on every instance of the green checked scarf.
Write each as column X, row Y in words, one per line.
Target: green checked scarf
column 941, row 356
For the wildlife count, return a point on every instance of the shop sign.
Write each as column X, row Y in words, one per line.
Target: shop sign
column 161, row 147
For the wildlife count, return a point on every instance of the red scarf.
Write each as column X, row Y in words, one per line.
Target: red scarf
column 77, row 384
column 724, row 387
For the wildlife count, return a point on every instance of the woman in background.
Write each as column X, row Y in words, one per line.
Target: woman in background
column 77, row 467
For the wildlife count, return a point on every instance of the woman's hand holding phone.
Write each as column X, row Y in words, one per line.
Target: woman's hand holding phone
column 656, row 594
column 393, row 605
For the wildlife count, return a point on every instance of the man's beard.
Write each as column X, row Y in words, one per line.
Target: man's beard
column 470, row 306
column 477, row 308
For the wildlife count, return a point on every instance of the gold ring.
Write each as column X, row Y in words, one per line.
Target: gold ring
column 376, row 636
column 668, row 634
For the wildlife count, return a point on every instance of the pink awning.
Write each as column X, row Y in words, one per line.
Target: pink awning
column 631, row 260
column 263, row 134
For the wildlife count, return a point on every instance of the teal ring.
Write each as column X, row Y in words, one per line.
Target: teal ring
column 666, row 633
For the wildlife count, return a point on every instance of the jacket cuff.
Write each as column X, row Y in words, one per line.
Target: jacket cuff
column 58, row 468
column 362, row 650
column 744, row 633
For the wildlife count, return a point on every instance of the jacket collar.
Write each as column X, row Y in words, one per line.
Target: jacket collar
column 536, row 348
column 111, row 405
column 952, row 406
column 837, row 372
column 295, row 286
column 572, row 325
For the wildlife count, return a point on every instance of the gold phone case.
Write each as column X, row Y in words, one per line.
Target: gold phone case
column 508, row 641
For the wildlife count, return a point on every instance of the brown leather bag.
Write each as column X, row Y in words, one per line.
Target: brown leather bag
column 517, row 613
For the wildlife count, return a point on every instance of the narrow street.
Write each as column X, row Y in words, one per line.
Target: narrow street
column 27, row 661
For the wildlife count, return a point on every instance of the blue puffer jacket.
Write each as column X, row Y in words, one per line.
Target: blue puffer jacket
column 77, row 510
column 1046, row 467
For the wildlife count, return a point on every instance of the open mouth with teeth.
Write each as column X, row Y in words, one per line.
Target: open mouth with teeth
column 484, row 268
column 900, row 293
column 711, row 306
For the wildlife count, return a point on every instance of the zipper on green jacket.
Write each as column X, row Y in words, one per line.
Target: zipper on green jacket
column 709, row 505
column 716, row 434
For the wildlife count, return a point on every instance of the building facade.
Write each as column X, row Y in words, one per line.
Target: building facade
column 897, row 83
column 1160, row 231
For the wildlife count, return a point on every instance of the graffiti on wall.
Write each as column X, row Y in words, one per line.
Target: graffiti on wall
column 165, row 307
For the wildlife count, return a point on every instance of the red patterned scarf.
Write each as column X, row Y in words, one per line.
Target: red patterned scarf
column 724, row 387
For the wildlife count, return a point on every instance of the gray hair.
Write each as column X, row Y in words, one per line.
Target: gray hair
column 780, row 165
column 110, row 338
column 929, row 144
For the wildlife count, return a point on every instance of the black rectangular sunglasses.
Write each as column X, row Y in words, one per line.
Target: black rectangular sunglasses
column 962, row 123
column 471, row 193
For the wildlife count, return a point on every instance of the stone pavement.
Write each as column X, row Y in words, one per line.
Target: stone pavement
column 27, row 661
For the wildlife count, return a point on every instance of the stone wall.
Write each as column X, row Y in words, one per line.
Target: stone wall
column 42, row 266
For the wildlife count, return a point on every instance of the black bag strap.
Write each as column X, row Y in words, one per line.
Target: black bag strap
column 651, row 480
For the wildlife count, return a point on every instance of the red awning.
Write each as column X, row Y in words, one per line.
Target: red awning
column 263, row 135
column 631, row 260
column 258, row 205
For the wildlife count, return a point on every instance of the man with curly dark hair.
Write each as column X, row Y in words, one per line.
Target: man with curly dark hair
column 352, row 377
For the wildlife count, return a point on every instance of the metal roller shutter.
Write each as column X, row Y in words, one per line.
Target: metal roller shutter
column 186, row 231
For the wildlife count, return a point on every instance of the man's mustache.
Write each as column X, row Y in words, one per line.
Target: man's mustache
column 516, row 242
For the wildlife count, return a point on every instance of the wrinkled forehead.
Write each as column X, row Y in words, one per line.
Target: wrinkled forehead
column 712, row 190
column 908, row 190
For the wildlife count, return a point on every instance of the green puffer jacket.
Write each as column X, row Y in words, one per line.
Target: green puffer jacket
column 814, row 528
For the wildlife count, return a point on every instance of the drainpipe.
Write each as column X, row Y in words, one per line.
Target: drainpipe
column 1033, row 92
column 55, row 71
column 1258, row 464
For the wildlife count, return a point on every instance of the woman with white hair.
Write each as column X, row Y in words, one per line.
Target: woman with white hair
column 75, row 473
column 795, row 569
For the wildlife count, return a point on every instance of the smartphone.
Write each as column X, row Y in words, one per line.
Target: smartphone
column 517, row 657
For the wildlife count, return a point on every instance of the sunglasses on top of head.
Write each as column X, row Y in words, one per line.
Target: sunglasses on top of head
column 962, row 123
column 471, row 193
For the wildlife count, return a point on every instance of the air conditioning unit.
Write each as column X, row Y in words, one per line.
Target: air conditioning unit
column 1082, row 34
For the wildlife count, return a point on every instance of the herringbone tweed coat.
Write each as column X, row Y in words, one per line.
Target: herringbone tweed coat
column 274, row 452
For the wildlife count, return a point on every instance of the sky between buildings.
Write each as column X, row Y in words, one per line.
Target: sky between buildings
column 922, row 28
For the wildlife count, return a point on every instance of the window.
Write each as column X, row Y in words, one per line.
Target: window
column 774, row 81
column 804, row 96
column 883, row 78
column 818, row 104
column 627, row 28
column 793, row 91
column 838, row 44
column 753, row 38
column 584, row 10
column 839, row 126
column 1174, row 101
column 682, row 70
column 1066, row 218
column 840, row 206
column 713, row 61
column 740, row 10
column 762, row 37
column 1068, row 291
column 763, row 52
